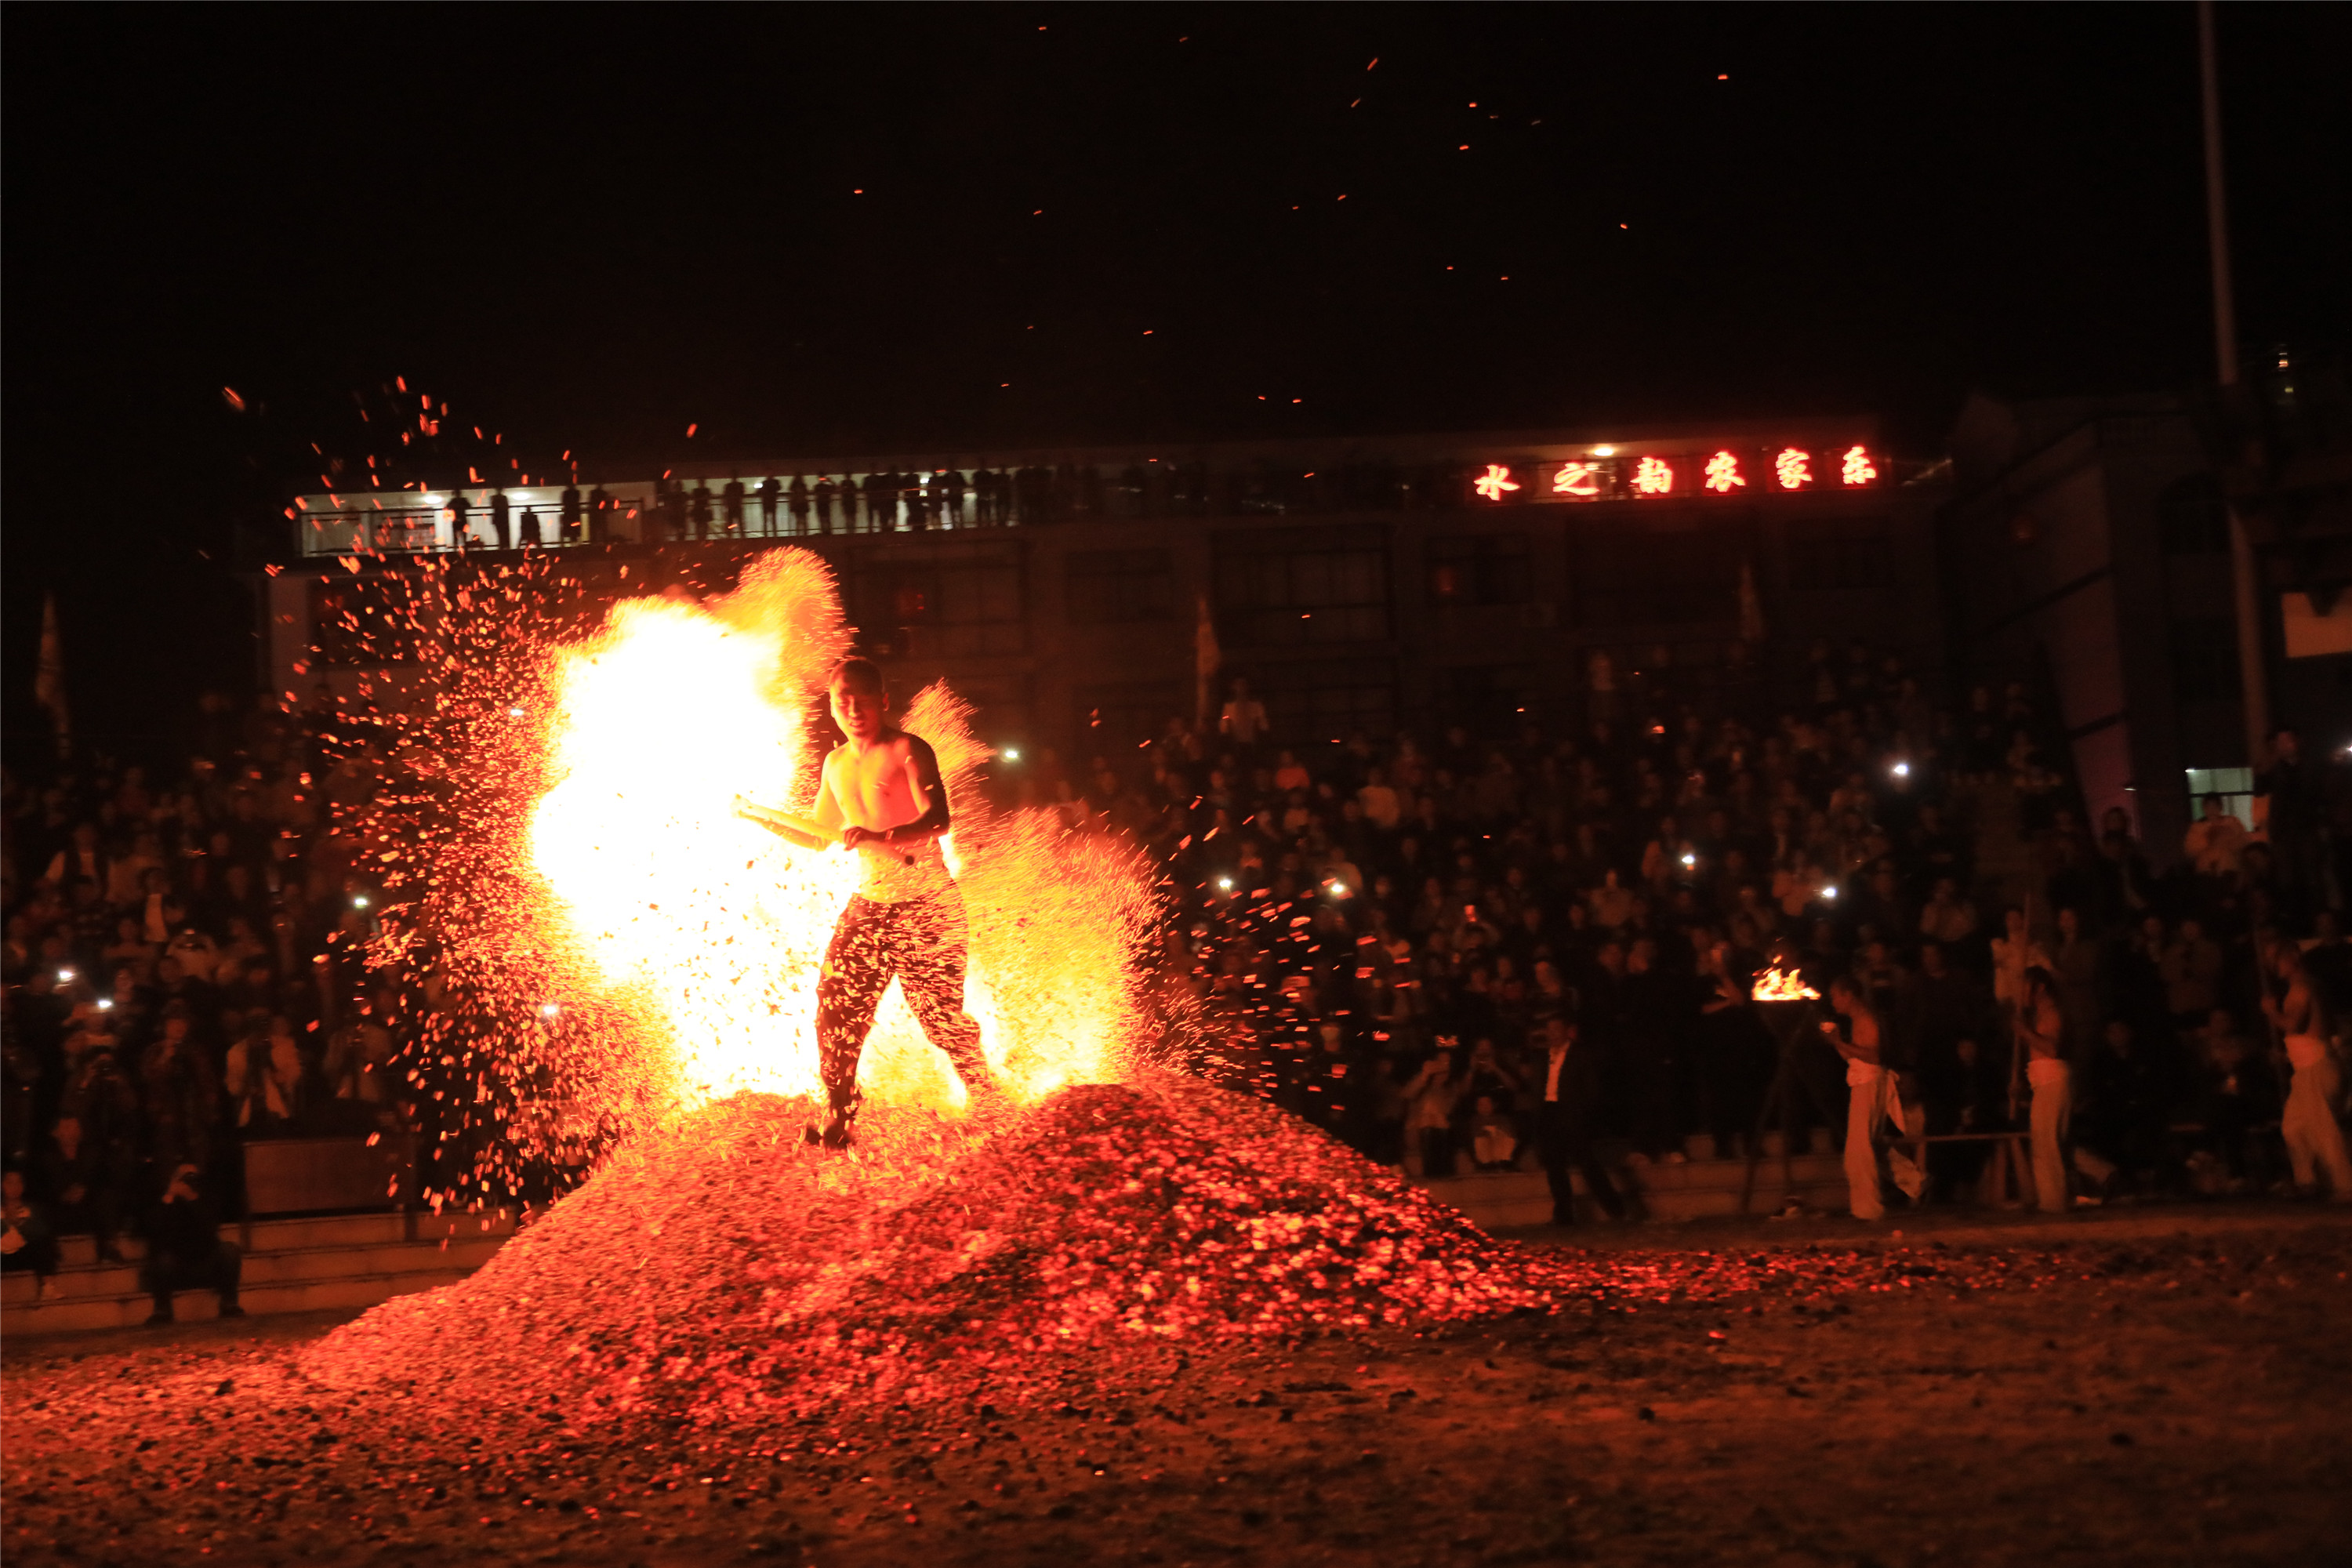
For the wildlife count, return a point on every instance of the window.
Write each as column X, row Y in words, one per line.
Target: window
column 1480, row 569
column 1128, row 712
column 1487, row 698
column 2234, row 785
column 2205, row 658
column 1112, row 587
column 2190, row 519
column 1645, row 578
column 1837, row 553
column 956, row 604
column 1286, row 587
column 1330, row 699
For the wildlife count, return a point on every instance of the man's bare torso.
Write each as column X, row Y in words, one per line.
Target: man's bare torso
column 886, row 782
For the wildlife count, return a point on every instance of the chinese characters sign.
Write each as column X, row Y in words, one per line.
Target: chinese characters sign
column 1725, row 471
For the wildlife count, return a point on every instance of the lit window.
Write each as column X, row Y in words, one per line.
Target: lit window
column 1723, row 473
column 1858, row 469
column 1496, row 480
column 1794, row 469
column 1576, row 480
column 1652, row 477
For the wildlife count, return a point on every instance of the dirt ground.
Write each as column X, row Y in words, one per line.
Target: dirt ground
column 2134, row 1388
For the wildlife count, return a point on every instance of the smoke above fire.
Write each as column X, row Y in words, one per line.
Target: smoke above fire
column 602, row 943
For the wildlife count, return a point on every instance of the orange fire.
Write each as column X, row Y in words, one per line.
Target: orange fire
column 1778, row 984
column 708, row 932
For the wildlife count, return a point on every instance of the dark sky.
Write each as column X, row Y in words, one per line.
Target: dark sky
column 827, row 229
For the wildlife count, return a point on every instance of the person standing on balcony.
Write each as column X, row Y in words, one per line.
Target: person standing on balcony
column 825, row 494
column 771, row 496
column 701, row 510
column 461, row 519
column 600, row 516
column 796, row 499
column 568, row 520
column 502, row 519
column 731, row 504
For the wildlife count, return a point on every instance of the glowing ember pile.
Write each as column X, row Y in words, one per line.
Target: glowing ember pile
column 720, row 1267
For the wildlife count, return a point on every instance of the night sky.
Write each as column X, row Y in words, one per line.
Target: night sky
column 828, row 230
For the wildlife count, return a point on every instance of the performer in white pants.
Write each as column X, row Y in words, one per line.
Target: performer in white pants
column 1871, row 1098
column 2041, row 1028
column 2314, row 1142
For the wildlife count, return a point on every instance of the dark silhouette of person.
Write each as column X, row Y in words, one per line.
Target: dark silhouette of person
column 951, row 485
column 796, row 496
column 461, row 517
column 881, row 503
column 568, row 519
column 701, row 512
column 502, row 519
column 772, row 495
column 184, row 1250
column 600, row 516
column 825, row 489
column 530, row 535
column 731, row 504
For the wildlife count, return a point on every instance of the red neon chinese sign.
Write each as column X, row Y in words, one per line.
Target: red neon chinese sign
column 1497, row 480
column 1576, row 480
column 1606, row 474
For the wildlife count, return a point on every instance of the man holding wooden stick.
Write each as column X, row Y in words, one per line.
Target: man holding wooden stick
column 882, row 799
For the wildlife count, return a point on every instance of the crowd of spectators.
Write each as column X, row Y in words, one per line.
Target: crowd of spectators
column 1475, row 953
column 181, row 974
column 1403, row 933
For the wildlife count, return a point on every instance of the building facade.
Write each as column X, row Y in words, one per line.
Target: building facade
column 2088, row 551
column 1078, row 597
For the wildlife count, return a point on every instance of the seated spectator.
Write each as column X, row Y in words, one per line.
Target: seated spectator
column 2191, row 964
column 91, row 1159
column 1494, row 1142
column 1948, row 918
column 263, row 1076
column 184, row 1250
column 27, row 1240
column 2215, row 841
column 1430, row 1098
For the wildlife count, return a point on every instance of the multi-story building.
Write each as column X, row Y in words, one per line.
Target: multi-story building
column 2088, row 551
column 1076, row 596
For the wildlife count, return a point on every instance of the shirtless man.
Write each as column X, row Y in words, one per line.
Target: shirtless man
column 1870, row 1099
column 881, row 794
column 2314, row 1143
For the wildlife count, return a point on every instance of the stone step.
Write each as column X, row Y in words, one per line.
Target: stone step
column 273, row 1267
column 130, row 1310
column 293, row 1265
column 1694, row 1190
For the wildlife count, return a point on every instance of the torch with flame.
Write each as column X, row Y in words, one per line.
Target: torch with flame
column 1779, row 985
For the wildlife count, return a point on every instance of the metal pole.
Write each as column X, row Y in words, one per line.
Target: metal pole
column 2244, row 578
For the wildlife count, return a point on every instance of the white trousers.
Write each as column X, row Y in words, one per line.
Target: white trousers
column 2313, row 1141
column 2054, row 1102
column 1866, row 1105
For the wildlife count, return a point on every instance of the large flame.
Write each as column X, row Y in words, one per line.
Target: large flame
column 711, row 931
column 1779, row 985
